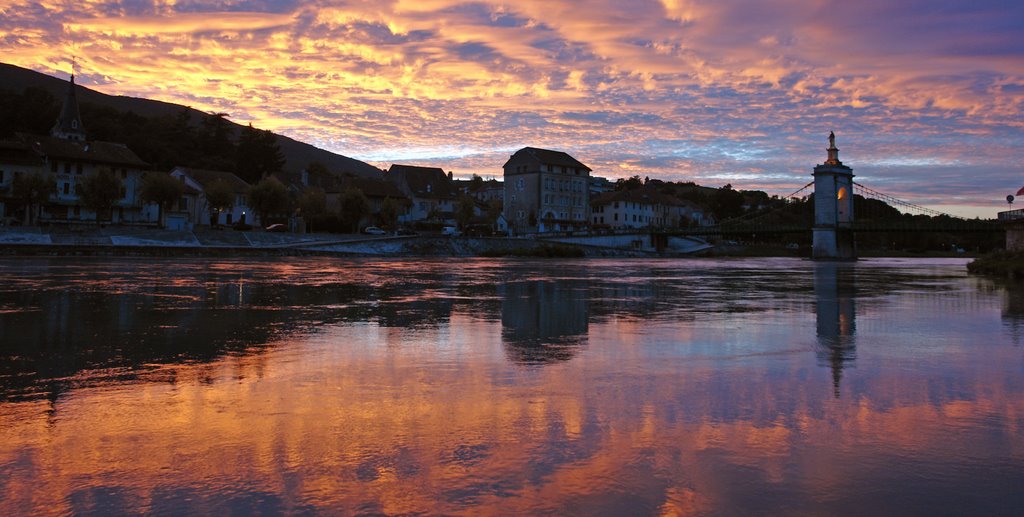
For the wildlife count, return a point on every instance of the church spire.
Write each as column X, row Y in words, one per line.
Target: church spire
column 69, row 124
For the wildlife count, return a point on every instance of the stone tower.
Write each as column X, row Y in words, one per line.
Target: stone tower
column 833, row 208
column 69, row 123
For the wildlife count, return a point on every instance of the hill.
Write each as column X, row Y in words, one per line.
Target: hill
column 297, row 154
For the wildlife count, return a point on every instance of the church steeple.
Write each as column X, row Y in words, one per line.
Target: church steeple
column 69, row 124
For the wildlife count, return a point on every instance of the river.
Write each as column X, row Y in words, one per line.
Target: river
column 469, row 386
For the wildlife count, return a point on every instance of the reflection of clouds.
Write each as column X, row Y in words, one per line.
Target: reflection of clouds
column 365, row 77
column 375, row 431
column 695, row 410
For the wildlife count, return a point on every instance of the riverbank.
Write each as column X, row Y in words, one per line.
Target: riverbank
column 1006, row 264
column 143, row 242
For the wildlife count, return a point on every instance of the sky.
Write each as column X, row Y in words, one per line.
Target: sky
column 925, row 96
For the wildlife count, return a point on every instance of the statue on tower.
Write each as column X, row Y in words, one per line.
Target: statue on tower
column 833, row 151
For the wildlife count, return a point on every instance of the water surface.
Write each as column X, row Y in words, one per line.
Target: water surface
column 462, row 386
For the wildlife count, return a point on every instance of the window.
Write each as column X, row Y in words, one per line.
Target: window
column 67, row 168
column 183, row 203
column 513, row 198
column 67, row 188
column 520, row 184
column 124, row 174
column 78, row 168
column 616, row 216
column 1, row 176
column 519, row 214
column 78, row 211
column 229, row 218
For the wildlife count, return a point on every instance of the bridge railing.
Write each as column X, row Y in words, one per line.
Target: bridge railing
column 1011, row 215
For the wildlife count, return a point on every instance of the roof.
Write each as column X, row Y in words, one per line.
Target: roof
column 206, row 178
column 645, row 196
column 94, row 152
column 423, row 182
column 13, row 152
column 548, row 157
column 374, row 188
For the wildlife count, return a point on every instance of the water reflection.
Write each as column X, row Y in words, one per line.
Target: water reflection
column 506, row 387
column 543, row 321
column 834, row 292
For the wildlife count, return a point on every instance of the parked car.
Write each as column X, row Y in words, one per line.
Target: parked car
column 373, row 230
column 450, row 230
column 406, row 231
column 277, row 227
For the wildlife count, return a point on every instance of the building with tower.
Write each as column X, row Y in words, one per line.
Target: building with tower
column 833, row 208
column 68, row 157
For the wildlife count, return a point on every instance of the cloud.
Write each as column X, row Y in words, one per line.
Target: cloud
column 182, row 23
column 746, row 91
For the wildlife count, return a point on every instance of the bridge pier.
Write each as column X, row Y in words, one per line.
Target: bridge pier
column 833, row 208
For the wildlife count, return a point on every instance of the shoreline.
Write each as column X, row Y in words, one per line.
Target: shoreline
column 223, row 243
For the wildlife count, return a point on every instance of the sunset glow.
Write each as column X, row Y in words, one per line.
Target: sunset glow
column 925, row 97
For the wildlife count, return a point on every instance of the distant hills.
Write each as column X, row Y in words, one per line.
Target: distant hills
column 298, row 155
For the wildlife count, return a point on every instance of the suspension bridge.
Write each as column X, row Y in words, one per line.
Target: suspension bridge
column 874, row 212
column 834, row 209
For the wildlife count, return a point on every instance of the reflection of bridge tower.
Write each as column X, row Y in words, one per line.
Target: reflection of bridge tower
column 833, row 208
column 836, row 312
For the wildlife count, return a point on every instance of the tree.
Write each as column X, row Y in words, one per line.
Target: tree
column 214, row 133
column 33, row 190
column 475, row 183
column 354, row 206
column 629, row 184
column 258, row 154
column 100, row 191
column 494, row 209
column 317, row 168
column 161, row 190
column 389, row 210
column 727, row 203
column 31, row 111
column 219, row 196
column 464, row 211
column 267, row 198
column 312, row 204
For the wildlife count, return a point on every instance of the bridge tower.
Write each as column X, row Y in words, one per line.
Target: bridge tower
column 833, row 208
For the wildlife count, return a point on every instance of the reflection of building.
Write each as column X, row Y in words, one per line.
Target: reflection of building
column 542, row 322
column 835, row 293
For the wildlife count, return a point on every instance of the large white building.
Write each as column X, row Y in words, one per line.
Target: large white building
column 546, row 191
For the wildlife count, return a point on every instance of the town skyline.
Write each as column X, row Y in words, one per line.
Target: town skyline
column 925, row 100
